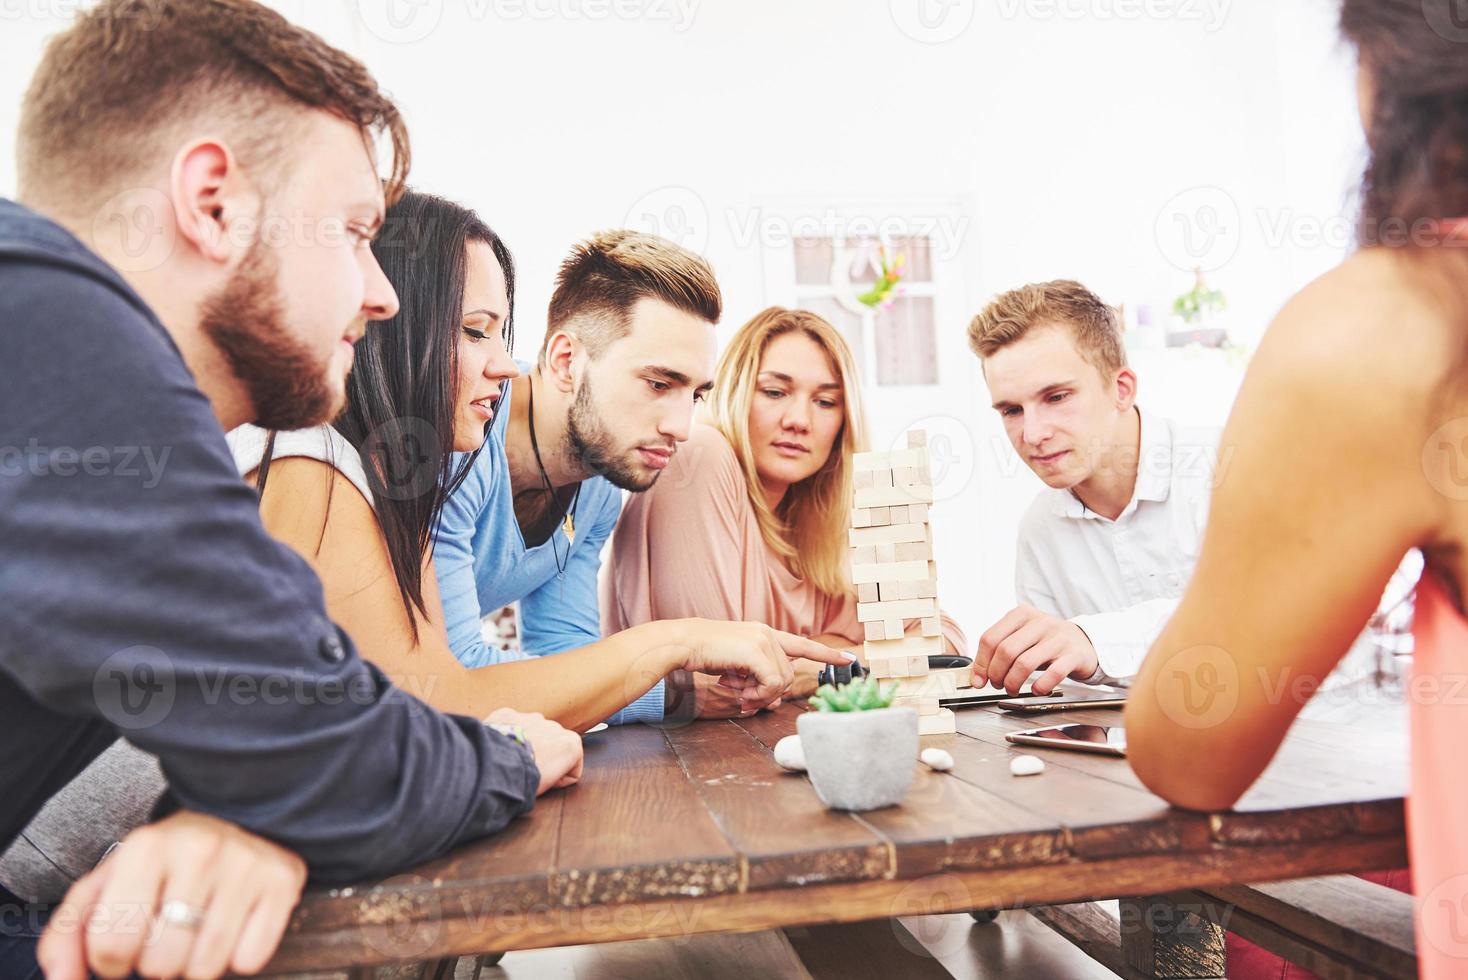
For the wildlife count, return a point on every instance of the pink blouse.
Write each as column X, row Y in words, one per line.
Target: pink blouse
column 691, row 547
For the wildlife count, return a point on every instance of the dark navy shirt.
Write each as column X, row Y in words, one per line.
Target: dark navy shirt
column 140, row 596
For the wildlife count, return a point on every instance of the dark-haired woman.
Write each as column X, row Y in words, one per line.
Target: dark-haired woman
column 1347, row 449
column 360, row 499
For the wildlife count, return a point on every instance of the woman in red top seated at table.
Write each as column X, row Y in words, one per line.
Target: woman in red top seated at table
column 1349, row 446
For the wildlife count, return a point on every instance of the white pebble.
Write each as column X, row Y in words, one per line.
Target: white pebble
column 937, row 759
column 789, row 754
column 1026, row 765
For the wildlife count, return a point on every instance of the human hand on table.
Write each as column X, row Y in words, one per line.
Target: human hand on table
column 1026, row 640
column 558, row 751
column 190, row 895
column 750, row 659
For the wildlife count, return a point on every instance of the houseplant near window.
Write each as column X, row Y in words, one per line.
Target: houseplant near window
column 860, row 752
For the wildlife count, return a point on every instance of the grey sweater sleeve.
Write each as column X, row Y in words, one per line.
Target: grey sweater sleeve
column 74, row 830
column 140, row 587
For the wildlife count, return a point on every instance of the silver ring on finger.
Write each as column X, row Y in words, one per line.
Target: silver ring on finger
column 180, row 913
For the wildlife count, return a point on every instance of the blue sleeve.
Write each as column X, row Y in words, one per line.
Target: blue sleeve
column 153, row 598
column 453, row 563
column 564, row 613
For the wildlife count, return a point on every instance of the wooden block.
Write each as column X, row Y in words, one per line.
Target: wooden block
column 866, row 612
column 927, row 589
column 897, row 591
column 932, row 625
column 867, row 591
column 943, row 723
column 894, row 496
column 861, row 517
column 862, row 480
column 880, row 515
column 881, row 478
column 907, row 646
column 917, row 666
column 917, row 513
column 886, row 554
column 913, row 551
column 892, row 628
column 863, row 556
column 884, row 667
column 887, row 461
column 894, row 533
column 903, row 475
column 917, row 438
column 934, row 684
column 875, row 630
column 928, row 704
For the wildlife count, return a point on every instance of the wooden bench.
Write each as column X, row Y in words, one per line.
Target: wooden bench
column 1338, row 926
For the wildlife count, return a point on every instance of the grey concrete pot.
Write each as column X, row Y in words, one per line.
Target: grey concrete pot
column 860, row 760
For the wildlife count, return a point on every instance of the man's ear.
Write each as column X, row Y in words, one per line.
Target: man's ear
column 216, row 209
column 561, row 353
column 1126, row 389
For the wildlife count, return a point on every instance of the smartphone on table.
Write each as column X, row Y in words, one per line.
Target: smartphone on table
column 1102, row 739
column 1065, row 701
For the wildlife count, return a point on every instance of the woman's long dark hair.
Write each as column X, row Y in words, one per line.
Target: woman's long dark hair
column 1416, row 51
column 403, row 390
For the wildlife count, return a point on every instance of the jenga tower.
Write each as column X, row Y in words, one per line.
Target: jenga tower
column 896, row 579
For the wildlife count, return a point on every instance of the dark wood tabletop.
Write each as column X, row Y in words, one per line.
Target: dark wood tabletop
column 694, row 829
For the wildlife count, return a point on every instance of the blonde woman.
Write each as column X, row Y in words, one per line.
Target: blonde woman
column 750, row 520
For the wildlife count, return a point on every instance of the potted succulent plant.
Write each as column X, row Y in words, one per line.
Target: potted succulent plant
column 860, row 752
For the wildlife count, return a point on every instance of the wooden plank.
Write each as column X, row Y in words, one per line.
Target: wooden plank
column 954, row 891
column 896, row 571
column 1103, row 818
column 1093, row 930
column 867, row 612
column 876, row 949
column 1352, row 923
column 609, row 850
column 1161, row 938
column 866, row 537
column 878, row 497
column 786, row 836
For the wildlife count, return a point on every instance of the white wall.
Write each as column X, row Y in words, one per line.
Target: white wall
column 1083, row 142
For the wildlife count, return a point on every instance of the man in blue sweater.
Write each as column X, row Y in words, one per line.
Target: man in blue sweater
column 629, row 350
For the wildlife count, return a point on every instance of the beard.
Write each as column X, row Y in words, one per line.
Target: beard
column 589, row 441
column 288, row 387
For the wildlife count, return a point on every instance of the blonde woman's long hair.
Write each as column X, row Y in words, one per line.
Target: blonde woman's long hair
column 809, row 529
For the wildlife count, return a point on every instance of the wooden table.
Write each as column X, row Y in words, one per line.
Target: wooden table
column 694, row 829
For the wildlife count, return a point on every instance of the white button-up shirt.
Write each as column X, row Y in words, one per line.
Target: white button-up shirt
column 1120, row 580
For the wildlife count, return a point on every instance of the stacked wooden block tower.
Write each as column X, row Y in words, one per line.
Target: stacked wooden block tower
column 896, row 579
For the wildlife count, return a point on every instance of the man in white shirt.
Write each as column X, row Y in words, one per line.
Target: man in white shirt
column 1107, row 551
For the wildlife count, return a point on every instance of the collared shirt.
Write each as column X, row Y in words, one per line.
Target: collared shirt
column 1120, row 580
column 142, row 597
column 483, row 565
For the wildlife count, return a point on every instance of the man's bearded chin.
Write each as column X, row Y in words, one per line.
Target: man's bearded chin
column 288, row 387
column 590, row 443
